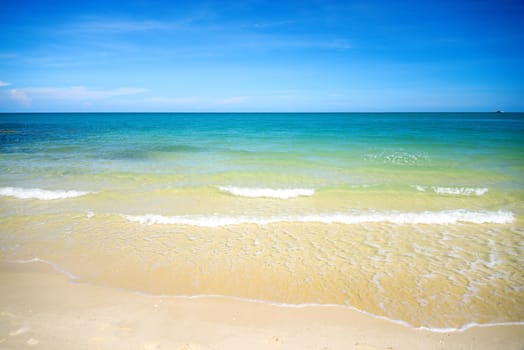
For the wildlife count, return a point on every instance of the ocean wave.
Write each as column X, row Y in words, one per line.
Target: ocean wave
column 37, row 193
column 267, row 192
column 428, row 217
column 459, row 191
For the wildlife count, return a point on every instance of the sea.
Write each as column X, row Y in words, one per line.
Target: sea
column 413, row 217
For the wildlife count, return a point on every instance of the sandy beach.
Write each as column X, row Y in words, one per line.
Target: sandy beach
column 42, row 309
column 243, row 175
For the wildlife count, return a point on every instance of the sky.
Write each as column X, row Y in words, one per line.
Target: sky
column 261, row 56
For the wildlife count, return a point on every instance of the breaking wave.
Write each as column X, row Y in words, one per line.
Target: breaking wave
column 428, row 217
column 459, row 191
column 37, row 193
column 267, row 192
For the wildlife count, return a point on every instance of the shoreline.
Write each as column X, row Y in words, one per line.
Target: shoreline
column 41, row 308
column 71, row 278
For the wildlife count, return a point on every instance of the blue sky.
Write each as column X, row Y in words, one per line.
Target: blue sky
column 254, row 55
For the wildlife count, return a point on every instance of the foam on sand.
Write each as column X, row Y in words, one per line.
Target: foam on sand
column 37, row 193
column 428, row 217
column 267, row 192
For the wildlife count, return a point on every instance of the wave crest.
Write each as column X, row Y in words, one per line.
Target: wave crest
column 429, row 217
column 267, row 192
column 37, row 193
column 459, row 191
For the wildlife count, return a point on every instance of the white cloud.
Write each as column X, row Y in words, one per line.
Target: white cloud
column 24, row 96
column 3, row 83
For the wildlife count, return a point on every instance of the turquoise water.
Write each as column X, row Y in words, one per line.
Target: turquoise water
column 442, row 191
column 325, row 150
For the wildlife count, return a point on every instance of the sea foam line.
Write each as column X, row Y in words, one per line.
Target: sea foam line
column 341, row 306
column 52, row 264
column 428, row 217
column 284, row 193
column 462, row 328
column 460, row 191
column 37, row 193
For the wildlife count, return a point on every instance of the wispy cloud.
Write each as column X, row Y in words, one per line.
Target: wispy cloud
column 4, row 83
column 173, row 100
column 286, row 42
column 107, row 25
column 122, row 26
column 270, row 24
column 196, row 102
column 304, row 43
column 7, row 55
column 19, row 96
column 232, row 100
column 24, row 96
column 206, row 32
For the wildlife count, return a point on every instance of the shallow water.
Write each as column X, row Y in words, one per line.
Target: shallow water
column 415, row 217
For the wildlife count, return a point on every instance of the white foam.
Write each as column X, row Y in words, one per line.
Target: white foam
column 428, row 217
column 470, row 325
column 464, row 191
column 284, row 193
column 52, row 264
column 397, row 157
column 457, row 191
column 37, row 193
column 420, row 188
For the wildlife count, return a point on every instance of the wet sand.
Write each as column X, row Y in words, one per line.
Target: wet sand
column 42, row 309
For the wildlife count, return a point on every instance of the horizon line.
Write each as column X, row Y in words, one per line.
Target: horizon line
column 260, row 112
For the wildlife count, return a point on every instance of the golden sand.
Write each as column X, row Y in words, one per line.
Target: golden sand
column 438, row 277
column 40, row 309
